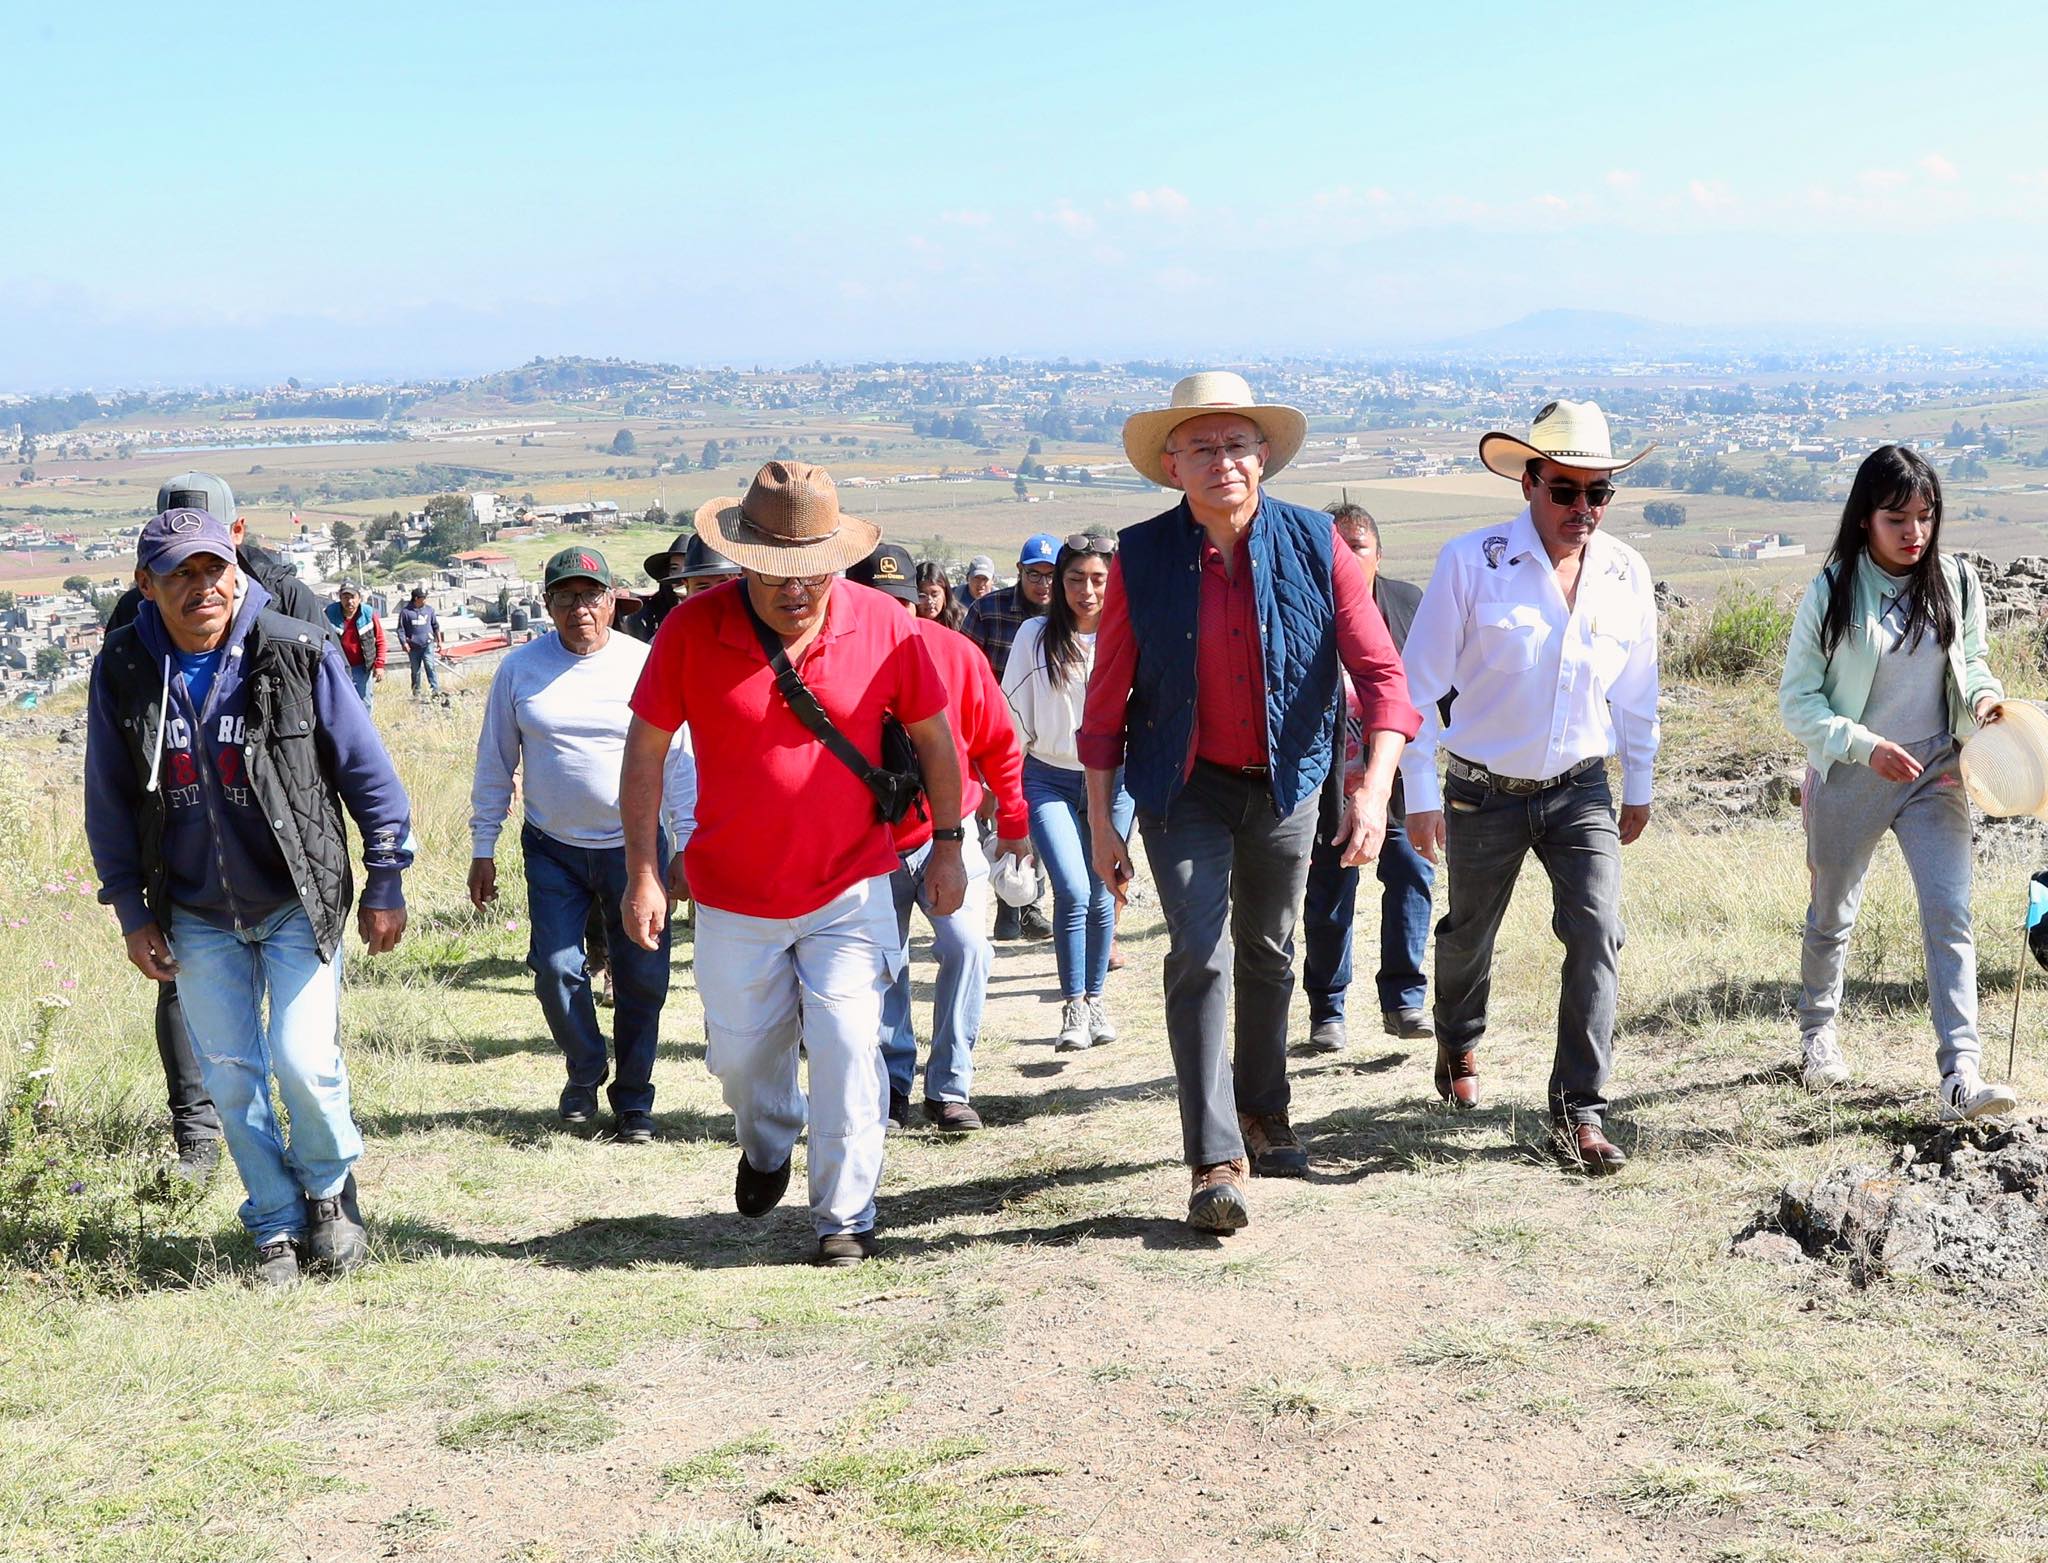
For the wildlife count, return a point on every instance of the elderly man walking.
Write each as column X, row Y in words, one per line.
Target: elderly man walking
column 1226, row 621
column 559, row 709
column 788, row 678
column 1546, row 629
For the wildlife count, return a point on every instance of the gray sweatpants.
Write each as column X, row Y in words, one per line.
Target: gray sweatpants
column 1846, row 815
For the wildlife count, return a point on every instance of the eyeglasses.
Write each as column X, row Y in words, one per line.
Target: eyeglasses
column 569, row 602
column 808, row 583
column 1036, row 572
column 1205, row 452
column 1089, row 543
column 1567, row 494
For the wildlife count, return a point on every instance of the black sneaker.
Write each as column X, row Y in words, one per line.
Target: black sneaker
column 277, row 1264
column 636, row 1127
column 757, row 1193
column 334, row 1231
column 1006, row 921
column 196, row 1160
column 1032, row 924
column 845, row 1248
column 578, row 1106
column 899, row 1108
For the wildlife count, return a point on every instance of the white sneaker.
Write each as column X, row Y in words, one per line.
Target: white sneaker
column 1073, row 1026
column 1964, row 1095
column 1100, row 1027
column 1820, row 1060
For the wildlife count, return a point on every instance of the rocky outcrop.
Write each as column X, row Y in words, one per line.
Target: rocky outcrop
column 2015, row 593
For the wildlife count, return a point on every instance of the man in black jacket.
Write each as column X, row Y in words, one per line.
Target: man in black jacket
column 1405, row 876
column 195, row 1124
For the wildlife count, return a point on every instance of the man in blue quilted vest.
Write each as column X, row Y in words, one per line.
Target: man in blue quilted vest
column 1215, row 693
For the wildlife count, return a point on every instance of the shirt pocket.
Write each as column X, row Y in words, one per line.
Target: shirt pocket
column 1511, row 635
column 1610, row 656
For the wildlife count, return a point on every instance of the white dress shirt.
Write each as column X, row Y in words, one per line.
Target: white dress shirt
column 1540, row 686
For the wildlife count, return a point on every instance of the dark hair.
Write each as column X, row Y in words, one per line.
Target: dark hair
column 1062, row 647
column 950, row 614
column 1891, row 478
column 1345, row 510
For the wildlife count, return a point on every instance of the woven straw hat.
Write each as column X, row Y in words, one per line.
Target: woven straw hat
column 2005, row 763
column 788, row 523
column 1212, row 390
column 1572, row 434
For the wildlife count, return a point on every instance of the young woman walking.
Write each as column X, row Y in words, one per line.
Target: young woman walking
column 935, row 599
column 1047, row 684
column 1884, row 676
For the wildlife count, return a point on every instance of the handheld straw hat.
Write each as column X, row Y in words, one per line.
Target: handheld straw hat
column 1196, row 396
column 1014, row 882
column 2005, row 763
column 788, row 523
column 1572, row 434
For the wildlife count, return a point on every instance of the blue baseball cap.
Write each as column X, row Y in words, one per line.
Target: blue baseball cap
column 173, row 536
column 1039, row 548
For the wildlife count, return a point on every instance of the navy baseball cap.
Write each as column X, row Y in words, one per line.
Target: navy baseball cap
column 176, row 535
column 1039, row 548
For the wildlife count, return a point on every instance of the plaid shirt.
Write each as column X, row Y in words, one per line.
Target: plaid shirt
column 992, row 623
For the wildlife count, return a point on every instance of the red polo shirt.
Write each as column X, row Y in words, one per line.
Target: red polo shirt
column 782, row 826
column 1230, row 679
column 984, row 735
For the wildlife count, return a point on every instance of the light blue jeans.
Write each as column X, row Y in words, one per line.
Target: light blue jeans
column 224, row 978
column 964, row 954
column 1083, row 910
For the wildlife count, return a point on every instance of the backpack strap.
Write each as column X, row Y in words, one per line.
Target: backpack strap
column 803, row 704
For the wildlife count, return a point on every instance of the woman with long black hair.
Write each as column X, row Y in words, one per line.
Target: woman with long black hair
column 1885, row 675
column 935, row 599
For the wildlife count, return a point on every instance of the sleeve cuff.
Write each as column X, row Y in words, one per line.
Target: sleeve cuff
column 1013, row 824
column 1099, row 753
column 483, row 842
column 1421, row 790
column 1391, row 716
column 383, row 889
column 132, row 911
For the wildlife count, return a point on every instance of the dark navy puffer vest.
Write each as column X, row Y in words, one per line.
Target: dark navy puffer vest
column 1291, row 582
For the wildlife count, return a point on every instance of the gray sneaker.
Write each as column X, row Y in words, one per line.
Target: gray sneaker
column 1821, row 1063
column 1101, row 1028
column 1073, row 1035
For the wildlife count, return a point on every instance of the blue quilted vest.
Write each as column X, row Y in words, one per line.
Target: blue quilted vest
column 1162, row 577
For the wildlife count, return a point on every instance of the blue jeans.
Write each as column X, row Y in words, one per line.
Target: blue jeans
column 1405, row 877
column 423, row 658
column 359, row 675
column 964, row 954
column 1083, row 910
column 224, row 977
column 561, row 884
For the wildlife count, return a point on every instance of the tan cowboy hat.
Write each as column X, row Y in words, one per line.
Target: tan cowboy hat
column 789, row 523
column 1572, row 434
column 1212, row 390
column 2005, row 763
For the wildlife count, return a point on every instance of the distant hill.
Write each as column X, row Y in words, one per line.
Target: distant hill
column 545, row 377
column 1603, row 333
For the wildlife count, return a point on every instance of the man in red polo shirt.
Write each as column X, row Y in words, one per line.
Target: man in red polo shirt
column 1215, row 689
column 789, row 865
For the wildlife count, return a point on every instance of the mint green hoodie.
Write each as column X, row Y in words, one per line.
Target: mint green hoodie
column 1822, row 698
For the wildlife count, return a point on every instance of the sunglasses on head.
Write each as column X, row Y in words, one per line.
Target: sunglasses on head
column 1089, row 543
column 1597, row 494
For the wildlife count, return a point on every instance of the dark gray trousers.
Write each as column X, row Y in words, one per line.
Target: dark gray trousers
column 1230, row 877
column 1572, row 830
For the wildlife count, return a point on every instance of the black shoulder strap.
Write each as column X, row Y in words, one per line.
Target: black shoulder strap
column 802, row 702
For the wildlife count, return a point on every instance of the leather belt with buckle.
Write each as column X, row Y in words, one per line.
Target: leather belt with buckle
column 1257, row 773
column 1514, row 786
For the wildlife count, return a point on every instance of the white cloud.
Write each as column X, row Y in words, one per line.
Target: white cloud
column 1064, row 214
column 1165, row 200
column 1937, row 168
column 1553, row 203
column 1710, row 194
column 1882, row 178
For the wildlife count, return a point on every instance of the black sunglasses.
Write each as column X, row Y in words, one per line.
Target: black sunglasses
column 1567, row 494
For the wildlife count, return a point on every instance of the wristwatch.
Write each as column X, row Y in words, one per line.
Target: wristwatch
column 950, row 833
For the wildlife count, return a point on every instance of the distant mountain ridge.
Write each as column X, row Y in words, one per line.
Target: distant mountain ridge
column 543, row 377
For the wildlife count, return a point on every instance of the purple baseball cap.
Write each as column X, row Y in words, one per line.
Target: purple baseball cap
column 176, row 535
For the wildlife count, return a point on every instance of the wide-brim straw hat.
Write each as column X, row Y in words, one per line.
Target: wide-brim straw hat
column 1572, row 434
column 787, row 523
column 1198, row 395
column 2005, row 763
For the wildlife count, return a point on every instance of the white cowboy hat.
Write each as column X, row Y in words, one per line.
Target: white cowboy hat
column 2005, row 763
column 1212, row 390
column 1572, row 434
column 1014, row 882
column 788, row 523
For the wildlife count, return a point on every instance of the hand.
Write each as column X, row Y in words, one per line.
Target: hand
column 377, row 674
column 483, row 881
column 1426, row 832
column 1893, row 763
column 1634, row 816
column 381, row 927
column 1020, row 849
column 945, row 879
column 1363, row 830
column 644, row 909
column 150, row 953
column 1111, row 858
column 678, row 882
column 985, row 812
column 1989, row 709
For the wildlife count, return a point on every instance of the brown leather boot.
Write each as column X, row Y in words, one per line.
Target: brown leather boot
column 1584, row 1147
column 1272, row 1146
column 1457, row 1077
column 1217, row 1202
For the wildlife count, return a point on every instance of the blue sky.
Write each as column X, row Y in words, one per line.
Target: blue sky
column 239, row 192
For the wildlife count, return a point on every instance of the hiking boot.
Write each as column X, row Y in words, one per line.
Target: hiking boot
column 1327, row 1036
column 1073, row 1035
column 1006, row 921
column 1964, row 1095
column 757, row 1193
column 277, row 1264
column 1217, row 1203
column 196, row 1160
column 1409, row 1024
column 1820, row 1060
column 334, row 1231
column 952, row 1117
column 1272, row 1145
column 1457, row 1077
column 636, row 1127
column 1101, row 1028
column 1584, row 1147
column 845, row 1248
column 899, row 1108
column 606, row 998
column 578, row 1106
column 1032, row 924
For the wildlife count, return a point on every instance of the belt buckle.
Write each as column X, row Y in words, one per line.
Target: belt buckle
column 1519, row 786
